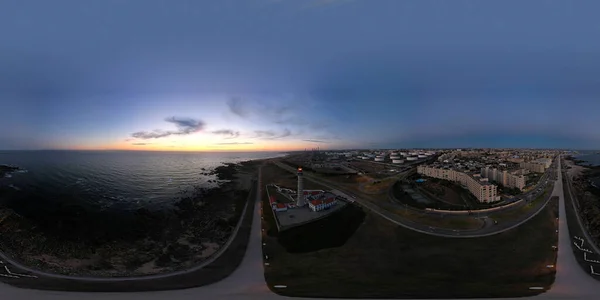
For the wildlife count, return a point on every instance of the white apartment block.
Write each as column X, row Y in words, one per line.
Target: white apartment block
column 479, row 187
column 547, row 162
column 533, row 166
column 503, row 177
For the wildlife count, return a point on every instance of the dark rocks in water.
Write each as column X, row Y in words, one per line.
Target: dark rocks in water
column 6, row 169
column 65, row 229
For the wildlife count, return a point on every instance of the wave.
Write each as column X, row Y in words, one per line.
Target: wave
column 117, row 180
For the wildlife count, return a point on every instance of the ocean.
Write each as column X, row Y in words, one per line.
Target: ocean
column 109, row 180
column 589, row 158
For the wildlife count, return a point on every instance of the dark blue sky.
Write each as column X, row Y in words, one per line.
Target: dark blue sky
column 277, row 74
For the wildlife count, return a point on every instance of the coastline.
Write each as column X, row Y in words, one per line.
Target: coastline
column 6, row 170
column 200, row 225
column 587, row 194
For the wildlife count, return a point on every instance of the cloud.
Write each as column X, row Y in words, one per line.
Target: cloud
column 227, row 132
column 283, row 116
column 141, row 144
column 185, row 126
column 286, row 132
column 316, row 141
column 264, row 133
column 145, row 135
column 237, row 107
column 236, row 143
column 271, row 135
column 273, row 111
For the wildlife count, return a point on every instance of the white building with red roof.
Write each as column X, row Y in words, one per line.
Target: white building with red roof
column 322, row 204
column 280, row 207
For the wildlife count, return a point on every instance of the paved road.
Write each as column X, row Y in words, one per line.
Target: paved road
column 487, row 230
column 569, row 189
column 571, row 281
column 487, row 216
column 247, row 282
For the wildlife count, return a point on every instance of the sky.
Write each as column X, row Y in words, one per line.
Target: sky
column 278, row 75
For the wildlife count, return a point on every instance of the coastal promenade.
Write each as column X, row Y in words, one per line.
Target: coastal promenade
column 247, row 282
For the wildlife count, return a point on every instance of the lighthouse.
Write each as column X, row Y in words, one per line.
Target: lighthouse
column 300, row 201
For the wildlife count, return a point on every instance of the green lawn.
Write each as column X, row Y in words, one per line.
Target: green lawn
column 278, row 196
column 382, row 260
column 528, row 208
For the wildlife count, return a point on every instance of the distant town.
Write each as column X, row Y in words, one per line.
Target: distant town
column 396, row 215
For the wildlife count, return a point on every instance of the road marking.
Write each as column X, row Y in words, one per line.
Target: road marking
column 17, row 274
column 582, row 249
column 592, row 271
column 589, row 260
column 9, row 276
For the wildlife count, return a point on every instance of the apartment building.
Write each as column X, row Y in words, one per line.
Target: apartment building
column 533, row 166
column 505, row 178
column 515, row 160
column 481, row 188
column 547, row 162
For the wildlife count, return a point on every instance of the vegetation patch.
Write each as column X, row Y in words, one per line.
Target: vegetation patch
column 382, row 260
column 329, row 232
column 520, row 211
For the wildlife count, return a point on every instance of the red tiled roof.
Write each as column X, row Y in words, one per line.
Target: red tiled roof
column 329, row 200
column 316, row 202
column 315, row 192
column 272, row 199
column 281, row 205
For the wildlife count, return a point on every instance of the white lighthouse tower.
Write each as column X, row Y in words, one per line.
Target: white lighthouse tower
column 300, row 200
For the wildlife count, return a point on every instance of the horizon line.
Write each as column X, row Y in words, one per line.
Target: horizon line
column 308, row 150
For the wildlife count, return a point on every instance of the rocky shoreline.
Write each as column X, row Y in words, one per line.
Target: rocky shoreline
column 587, row 194
column 5, row 170
column 75, row 241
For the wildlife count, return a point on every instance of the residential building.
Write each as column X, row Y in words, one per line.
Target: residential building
column 318, row 205
column 503, row 177
column 483, row 190
column 547, row 162
column 280, row 207
column 533, row 166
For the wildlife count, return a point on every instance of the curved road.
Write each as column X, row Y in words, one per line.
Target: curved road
column 247, row 282
column 487, row 229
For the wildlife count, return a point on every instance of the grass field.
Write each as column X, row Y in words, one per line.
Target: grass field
column 459, row 223
column 377, row 186
column 283, row 178
column 383, row 260
column 518, row 213
column 447, row 194
column 278, row 196
column 383, row 200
